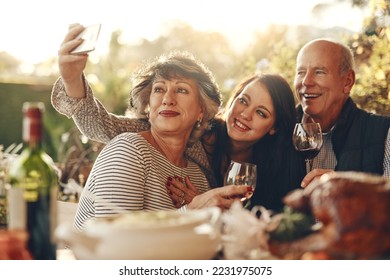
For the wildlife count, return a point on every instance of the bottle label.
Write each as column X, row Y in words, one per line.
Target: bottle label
column 19, row 198
column 17, row 209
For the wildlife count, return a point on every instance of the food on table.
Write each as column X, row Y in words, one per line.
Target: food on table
column 353, row 210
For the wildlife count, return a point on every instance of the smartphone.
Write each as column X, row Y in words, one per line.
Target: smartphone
column 89, row 36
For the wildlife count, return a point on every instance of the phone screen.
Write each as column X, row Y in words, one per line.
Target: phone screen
column 89, row 35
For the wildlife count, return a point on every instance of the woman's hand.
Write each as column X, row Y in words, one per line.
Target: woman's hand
column 181, row 193
column 71, row 66
column 314, row 175
column 187, row 193
column 222, row 197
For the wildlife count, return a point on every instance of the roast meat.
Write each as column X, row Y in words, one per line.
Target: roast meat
column 353, row 210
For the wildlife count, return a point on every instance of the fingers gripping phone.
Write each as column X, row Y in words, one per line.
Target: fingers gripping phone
column 89, row 36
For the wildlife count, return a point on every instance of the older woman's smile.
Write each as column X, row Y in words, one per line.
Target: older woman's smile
column 168, row 113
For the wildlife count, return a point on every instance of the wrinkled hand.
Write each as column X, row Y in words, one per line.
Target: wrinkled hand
column 222, row 197
column 71, row 66
column 181, row 193
column 314, row 175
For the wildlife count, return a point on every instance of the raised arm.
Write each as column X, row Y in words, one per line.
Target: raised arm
column 73, row 97
column 90, row 115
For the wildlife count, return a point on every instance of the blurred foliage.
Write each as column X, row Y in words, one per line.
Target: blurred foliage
column 273, row 50
column 372, row 53
column 372, row 90
column 110, row 76
column 12, row 97
column 76, row 156
column 8, row 64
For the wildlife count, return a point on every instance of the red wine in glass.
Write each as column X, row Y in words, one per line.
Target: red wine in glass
column 310, row 153
column 307, row 139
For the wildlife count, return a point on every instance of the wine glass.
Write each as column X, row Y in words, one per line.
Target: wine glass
column 307, row 139
column 241, row 173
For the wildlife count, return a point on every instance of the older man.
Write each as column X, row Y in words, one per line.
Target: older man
column 353, row 138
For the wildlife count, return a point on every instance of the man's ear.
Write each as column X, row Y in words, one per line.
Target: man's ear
column 349, row 81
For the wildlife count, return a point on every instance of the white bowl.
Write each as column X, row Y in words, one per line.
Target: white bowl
column 147, row 235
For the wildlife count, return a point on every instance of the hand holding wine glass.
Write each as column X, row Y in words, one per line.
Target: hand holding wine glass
column 242, row 173
column 307, row 139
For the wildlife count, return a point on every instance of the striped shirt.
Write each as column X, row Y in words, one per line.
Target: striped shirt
column 130, row 175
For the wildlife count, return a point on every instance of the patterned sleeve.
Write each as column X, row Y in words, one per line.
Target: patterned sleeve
column 197, row 154
column 91, row 117
column 386, row 161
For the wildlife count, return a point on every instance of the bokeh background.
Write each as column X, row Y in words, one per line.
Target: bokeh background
column 233, row 38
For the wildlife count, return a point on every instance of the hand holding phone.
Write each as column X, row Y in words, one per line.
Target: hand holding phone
column 89, row 36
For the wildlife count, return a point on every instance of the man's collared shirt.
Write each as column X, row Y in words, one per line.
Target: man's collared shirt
column 326, row 159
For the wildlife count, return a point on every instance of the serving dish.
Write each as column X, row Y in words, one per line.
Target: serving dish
column 147, row 235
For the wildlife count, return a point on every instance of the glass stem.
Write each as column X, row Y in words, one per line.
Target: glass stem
column 308, row 165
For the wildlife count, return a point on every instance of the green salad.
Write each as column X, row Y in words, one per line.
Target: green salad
column 293, row 225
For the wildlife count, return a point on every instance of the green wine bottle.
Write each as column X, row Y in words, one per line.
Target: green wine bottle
column 32, row 198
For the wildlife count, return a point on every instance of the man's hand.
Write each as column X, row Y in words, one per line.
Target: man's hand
column 314, row 175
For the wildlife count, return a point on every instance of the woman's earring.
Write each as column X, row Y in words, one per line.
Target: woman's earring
column 198, row 123
column 272, row 131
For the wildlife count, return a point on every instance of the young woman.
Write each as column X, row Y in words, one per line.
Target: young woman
column 256, row 126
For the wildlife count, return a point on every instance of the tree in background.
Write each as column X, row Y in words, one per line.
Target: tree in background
column 372, row 90
column 372, row 52
column 9, row 65
column 273, row 50
column 109, row 76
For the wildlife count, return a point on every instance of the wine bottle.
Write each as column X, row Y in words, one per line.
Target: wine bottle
column 4, row 159
column 3, row 200
column 32, row 197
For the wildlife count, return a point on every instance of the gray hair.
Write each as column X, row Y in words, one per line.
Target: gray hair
column 347, row 61
column 176, row 64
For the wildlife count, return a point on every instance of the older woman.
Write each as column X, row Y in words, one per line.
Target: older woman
column 178, row 96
